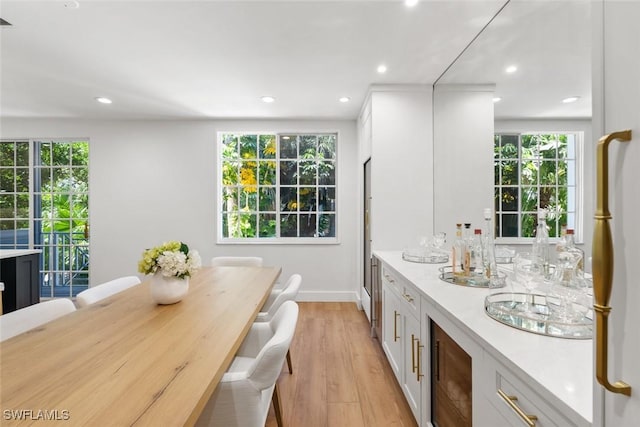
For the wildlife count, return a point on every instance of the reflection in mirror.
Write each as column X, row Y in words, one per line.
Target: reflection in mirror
column 533, row 56
column 548, row 44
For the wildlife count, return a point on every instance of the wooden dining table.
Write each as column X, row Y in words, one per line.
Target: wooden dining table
column 126, row 361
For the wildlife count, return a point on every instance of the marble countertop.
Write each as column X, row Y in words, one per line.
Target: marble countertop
column 556, row 366
column 12, row 253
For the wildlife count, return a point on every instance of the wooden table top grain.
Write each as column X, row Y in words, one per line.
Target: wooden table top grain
column 127, row 361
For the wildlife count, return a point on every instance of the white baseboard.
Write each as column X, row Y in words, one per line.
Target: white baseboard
column 330, row 296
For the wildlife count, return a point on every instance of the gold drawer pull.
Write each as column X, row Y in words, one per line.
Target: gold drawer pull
column 408, row 297
column 529, row 420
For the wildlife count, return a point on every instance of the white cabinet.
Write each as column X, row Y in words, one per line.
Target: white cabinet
column 392, row 326
column 414, row 366
column 402, row 340
column 503, row 393
column 509, row 401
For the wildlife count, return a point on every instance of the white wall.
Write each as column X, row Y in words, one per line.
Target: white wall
column 588, row 150
column 463, row 153
column 152, row 181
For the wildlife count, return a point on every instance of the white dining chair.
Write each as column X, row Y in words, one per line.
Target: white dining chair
column 288, row 292
column 243, row 396
column 236, row 261
column 104, row 290
column 24, row 319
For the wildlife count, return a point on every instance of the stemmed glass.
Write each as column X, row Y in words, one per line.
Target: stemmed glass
column 527, row 272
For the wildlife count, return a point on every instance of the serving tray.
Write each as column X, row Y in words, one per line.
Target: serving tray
column 446, row 274
column 537, row 314
column 428, row 259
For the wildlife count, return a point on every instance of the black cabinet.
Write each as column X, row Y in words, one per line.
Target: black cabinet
column 21, row 281
column 450, row 381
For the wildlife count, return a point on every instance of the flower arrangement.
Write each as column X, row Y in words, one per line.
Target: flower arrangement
column 172, row 259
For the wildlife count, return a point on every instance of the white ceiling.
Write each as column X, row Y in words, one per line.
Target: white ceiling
column 550, row 43
column 215, row 59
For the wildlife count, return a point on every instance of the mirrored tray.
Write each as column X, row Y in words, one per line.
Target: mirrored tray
column 433, row 258
column 446, row 274
column 511, row 308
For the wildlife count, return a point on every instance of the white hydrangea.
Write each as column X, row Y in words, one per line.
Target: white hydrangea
column 172, row 259
column 172, row 263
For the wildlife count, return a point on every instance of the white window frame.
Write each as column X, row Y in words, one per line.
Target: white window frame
column 33, row 144
column 579, row 187
column 275, row 240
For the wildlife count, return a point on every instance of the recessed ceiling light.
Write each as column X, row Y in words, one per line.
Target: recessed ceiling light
column 570, row 99
column 410, row 3
column 345, row 99
column 497, row 99
column 268, row 99
column 511, row 69
column 103, row 100
column 382, row 68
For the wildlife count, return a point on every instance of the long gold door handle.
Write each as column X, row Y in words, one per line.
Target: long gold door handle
column 413, row 353
column 602, row 262
column 419, row 356
column 395, row 326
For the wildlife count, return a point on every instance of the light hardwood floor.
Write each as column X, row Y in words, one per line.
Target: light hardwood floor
column 341, row 376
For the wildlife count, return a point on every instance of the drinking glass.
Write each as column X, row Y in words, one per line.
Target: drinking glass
column 566, row 287
column 439, row 239
column 526, row 268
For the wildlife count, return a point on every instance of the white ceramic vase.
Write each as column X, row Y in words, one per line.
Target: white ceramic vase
column 168, row 290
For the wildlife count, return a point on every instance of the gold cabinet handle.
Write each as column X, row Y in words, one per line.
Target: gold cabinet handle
column 529, row 420
column 408, row 297
column 419, row 355
column 395, row 326
column 413, row 353
column 602, row 262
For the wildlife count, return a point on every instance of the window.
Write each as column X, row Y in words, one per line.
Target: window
column 536, row 171
column 44, row 204
column 277, row 187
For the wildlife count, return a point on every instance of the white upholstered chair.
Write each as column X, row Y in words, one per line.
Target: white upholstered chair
column 236, row 261
column 243, row 396
column 104, row 290
column 24, row 319
column 288, row 292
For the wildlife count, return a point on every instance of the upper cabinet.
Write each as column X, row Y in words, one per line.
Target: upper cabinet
column 396, row 132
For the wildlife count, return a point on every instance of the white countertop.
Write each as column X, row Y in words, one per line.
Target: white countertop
column 12, row 253
column 556, row 366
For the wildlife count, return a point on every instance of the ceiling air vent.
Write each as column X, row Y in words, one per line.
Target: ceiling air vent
column 4, row 23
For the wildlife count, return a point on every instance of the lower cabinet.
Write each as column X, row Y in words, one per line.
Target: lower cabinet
column 513, row 402
column 392, row 341
column 20, row 275
column 451, row 381
column 448, row 378
column 402, row 341
column 414, row 365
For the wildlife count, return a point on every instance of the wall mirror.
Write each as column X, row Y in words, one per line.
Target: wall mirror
column 538, row 56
